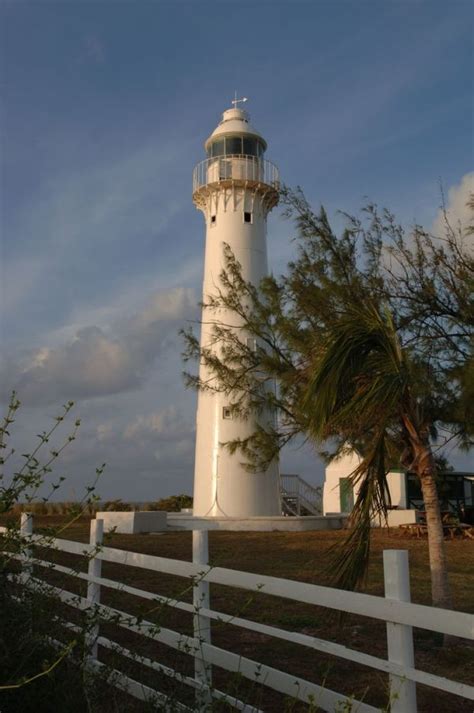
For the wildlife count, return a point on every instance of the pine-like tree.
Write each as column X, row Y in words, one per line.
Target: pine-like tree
column 368, row 336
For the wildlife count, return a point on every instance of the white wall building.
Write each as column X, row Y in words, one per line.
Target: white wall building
column 339, row 494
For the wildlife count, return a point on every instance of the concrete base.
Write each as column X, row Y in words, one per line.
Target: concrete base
column 402, row 517
column 131, row 523
column 395, row 517
column 183, row 521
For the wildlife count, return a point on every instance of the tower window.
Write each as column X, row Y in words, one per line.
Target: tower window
column 247, row 217
column 217, row 148
column 213, row 219
column 233, row 145
column 236, row 146
column 249, row 146
column 226, row 413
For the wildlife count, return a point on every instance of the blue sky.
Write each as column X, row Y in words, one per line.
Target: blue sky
column 106, row 107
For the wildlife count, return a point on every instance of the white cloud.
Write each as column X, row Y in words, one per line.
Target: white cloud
column 151, row 452
column 166, row 423
column 182, row 450
column 97, row 361
column 164, row 305
column 72, row 244
column 458, row 212
column 104, row 432
column 167, row 435
column 91, row 364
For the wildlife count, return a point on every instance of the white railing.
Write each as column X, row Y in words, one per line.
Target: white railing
column 298, row 494
column 395, row 609
column 242, row 168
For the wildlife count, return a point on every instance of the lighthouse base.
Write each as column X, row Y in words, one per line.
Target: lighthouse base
column 277, row 523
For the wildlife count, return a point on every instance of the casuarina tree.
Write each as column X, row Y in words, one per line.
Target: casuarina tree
column 368, row 337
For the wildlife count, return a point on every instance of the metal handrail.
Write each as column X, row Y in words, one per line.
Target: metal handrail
column 306, row 494
column 302, row 485
column 235, row 167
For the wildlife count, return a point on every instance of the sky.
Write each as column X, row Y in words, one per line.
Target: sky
column 106, row 106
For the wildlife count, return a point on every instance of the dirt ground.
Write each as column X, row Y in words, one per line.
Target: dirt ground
column 303, row 557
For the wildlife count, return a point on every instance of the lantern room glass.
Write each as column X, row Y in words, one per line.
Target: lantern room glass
column 236, row 146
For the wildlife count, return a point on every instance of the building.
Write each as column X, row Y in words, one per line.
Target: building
column 235, row 187
column 456, row 491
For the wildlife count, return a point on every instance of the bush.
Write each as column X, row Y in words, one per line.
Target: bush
column 25, row 652
column 172, row 504
column 41, row 665
column 117, row 506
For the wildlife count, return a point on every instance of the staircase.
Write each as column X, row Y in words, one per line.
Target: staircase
column 299, row 497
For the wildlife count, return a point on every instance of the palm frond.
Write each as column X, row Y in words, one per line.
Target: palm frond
column 350, row 559
column 361, row 375
column 357, row 386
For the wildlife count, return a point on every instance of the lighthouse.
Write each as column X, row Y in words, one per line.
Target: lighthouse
column 235, row 187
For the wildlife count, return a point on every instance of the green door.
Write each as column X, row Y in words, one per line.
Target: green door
column 346, row 494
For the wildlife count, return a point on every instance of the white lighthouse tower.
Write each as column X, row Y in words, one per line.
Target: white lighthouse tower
column 235, row 187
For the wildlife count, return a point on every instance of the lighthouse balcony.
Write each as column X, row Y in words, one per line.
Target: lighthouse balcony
column 239, row 168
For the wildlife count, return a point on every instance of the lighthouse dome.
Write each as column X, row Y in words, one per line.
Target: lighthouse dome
column 235, row 136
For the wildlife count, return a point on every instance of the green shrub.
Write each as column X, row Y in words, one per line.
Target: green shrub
column 172, row 504
column 117, row 506
column 41, row 665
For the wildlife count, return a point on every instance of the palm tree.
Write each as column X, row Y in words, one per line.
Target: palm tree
column 368, row 336
column 365, row 385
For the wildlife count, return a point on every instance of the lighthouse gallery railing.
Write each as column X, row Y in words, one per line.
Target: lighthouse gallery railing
column 238, row 167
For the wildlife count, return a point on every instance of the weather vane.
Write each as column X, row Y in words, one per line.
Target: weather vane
column 236, row 101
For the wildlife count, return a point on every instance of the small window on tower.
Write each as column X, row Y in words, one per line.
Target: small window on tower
column 226, row 412
column 233, row 145
column 247, row 217
column 249, row 146
column 217, row 148
column 213, row 219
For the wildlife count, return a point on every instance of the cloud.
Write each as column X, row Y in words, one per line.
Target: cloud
column 458, row 213
column 93, row 50
column 90, row 365
column 96, row 361
column 150, row 455
column 86, row 233
column 165, row 435
column 164, row 305
column 166, row 424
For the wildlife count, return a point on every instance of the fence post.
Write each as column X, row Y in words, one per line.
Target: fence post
column 26, row 529
column 202, row 624
column 399, row 636
column 93, row 588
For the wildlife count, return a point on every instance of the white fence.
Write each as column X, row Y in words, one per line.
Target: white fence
column 395, row 609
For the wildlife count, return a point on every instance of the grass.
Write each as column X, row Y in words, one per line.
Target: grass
column 303, row 557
